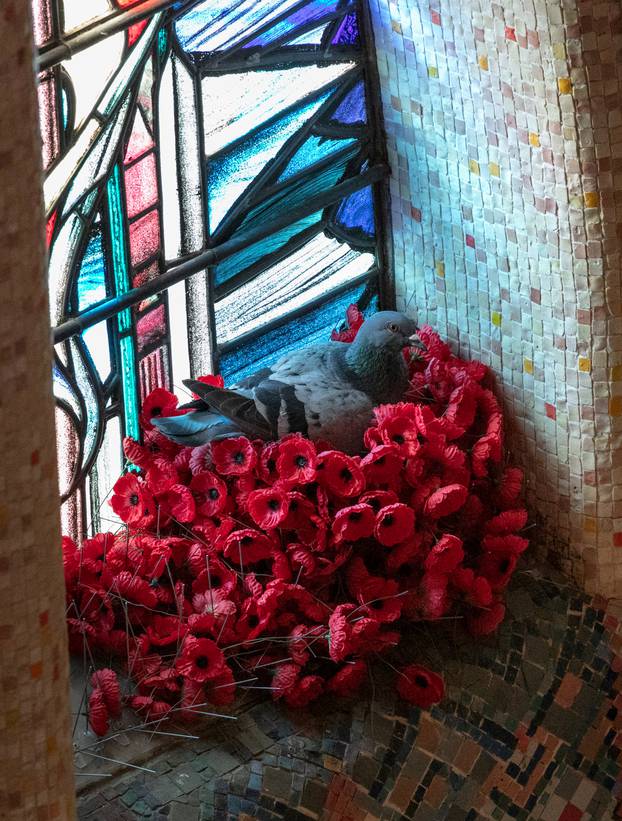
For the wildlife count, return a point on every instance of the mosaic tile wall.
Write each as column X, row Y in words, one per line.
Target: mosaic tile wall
column 504, row 128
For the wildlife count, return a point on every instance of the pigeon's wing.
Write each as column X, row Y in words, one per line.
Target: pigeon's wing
column 241, row 409
column 193, row 429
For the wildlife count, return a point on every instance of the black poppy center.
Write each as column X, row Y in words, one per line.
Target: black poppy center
column 355, row 516
column 262, row 568
column 238, row 457
column 380, row 460
column 253, row 621
column 376, row 605
column 346, row 475
column 134, row 499
column 202, row 662
column 156, row 411
column 388, row 520
column 504, row 565
column 421, row 681
column 399, row 439
column 274, row 504
column 246, row 540
column 215, row 580
column 271, row 465
column 301, row 461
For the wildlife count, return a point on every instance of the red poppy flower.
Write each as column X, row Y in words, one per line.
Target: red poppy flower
column 213, row 531
column 510, row 543
column 445, row 501
column 296, row 460
column 382, row 466
column 339, row 474
column 233, row 457
column 165, row 630
column 71, row 561
column 353, row 523
column 253, row 621
column 161, row 475
column 348, row 679
column 369, row 636
column 94, row 552
column 211, row 379
column 340, row 632
column 137, row 454
column 354, row 320
column 210, row 493
column 159, row 402
column 201, row 459
column 510, row 486
column 430, row 600
column 476, row 589
column 161, row 685
column 303, row 642
column 132, row 503
column 200, row 659
column 98, row 713
column 214, row 575
column 420, row 686
column 394, row 524
column 202, row 625
column 134, row 590
column 247, row 546
column 178, row 503
column 498, row 569
column 379, row 498
column 155, row 556
column 217, row 604
column 483, row 622
column 152, row 709
column 296, row 690
column 507, row 522
column 268, row 508
column 382, row 599
column 220, row 691
column 446, row 554
column 106, row 680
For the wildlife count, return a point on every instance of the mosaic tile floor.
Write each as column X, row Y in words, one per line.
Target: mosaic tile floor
column 530, row 730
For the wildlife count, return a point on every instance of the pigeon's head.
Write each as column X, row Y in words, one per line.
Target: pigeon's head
column 388, row 329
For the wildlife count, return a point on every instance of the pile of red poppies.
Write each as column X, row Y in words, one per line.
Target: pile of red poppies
column 290, row 565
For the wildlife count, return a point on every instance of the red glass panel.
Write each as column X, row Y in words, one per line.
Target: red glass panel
column 151, row 327
column 153, row 372
column 134, row 32
column 49, row 228
column 140, row 141
column 141, row 188
column 48, row 122
column 144, row 237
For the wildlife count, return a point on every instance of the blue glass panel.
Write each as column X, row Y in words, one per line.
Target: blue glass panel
column 124, row 318
column 310, row 329
column 311, row 151
column 356, row 212
column 309, row 14
column 215, row 25
column 65, row 107
column 231, row 174
column 298, row 192
column 348, row 32
column 263, row 249
column 91, row 286
column 352, row 109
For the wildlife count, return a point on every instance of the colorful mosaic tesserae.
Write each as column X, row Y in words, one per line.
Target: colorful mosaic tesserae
column 502, row 122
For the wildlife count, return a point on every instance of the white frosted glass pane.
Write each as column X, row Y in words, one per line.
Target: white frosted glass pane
column 90, row 70
column 60, row 175
column 320, row 266
column 211, row 26
column 233, row 104
column 90, row 400
column 234, row 172
column 311, row 38
column 78, row 12
column 197, row 302
column 63, row 391
column 100, row 159
column 167, row 122
column 59, row 265
column 105, row 472
column 178, row 329
column 189, row 159
column 96, row 340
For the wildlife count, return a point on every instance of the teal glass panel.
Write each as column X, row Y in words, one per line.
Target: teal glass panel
column 230, row 175
column 311, row 151
column 263, row 249
column 312, row 328
column 91, row 285
column 124, row 318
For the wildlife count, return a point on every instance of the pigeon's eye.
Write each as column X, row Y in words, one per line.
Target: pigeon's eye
column 393, row 327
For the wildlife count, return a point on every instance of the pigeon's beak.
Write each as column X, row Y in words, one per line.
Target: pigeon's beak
column 415, row 342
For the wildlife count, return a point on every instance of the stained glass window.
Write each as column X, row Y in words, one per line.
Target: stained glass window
column 214, row 171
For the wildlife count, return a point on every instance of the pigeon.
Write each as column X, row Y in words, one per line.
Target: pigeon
column 326, row 392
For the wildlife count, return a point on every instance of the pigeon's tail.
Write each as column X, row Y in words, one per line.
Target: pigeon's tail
column 195, row 429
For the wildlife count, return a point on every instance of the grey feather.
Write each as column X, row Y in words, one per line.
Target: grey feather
column 325, row 392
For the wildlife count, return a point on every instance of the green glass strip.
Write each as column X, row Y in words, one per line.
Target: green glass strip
column 124, row 318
